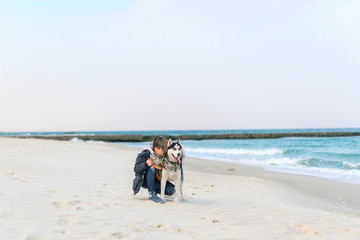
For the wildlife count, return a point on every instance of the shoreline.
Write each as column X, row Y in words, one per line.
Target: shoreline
column 347, row 195
column 83, row 190
column 293, row 171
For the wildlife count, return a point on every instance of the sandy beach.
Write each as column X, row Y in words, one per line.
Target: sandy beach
column 83, row 190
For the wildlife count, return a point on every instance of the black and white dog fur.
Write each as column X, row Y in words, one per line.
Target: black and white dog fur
column 172, row 169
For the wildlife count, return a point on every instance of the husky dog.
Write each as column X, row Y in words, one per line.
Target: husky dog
column 172, row 169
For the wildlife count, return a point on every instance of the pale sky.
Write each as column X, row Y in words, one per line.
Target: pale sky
column 85, row 65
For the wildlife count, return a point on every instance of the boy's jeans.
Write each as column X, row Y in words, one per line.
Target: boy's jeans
column 154, row 184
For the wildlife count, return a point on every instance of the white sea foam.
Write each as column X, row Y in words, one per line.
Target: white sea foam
column 281, row 161
column 93, row 141
column 350, row 165
column 272, row 151
column 75, row 139
column 278, row 162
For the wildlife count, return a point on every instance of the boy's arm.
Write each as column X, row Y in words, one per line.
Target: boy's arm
column 140, row 165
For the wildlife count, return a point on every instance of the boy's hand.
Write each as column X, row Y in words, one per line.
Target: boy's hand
column 150, row 162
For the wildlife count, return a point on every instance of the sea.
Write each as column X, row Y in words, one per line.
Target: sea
column 336, row 158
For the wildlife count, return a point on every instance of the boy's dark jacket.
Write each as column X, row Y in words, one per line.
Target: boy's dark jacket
column 140, row 167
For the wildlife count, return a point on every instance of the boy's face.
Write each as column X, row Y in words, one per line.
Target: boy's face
column 159, row 152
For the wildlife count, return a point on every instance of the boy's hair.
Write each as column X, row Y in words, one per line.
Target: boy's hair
column 160, row 142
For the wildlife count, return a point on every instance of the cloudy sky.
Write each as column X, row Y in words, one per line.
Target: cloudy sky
column 187, row 64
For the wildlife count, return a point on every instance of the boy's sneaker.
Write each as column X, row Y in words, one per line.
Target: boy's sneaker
column 156, row 199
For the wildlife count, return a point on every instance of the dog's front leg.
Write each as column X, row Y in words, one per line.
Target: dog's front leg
column 164, row 178
column 181, row 188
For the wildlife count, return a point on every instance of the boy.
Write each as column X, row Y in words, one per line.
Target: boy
column 145, row 172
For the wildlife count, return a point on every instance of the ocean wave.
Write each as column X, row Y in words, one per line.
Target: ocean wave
column 312, row 162
column 350, row 165
column 292, row 151
column 267, row 152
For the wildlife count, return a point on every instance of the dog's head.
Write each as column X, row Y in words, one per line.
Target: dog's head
column 175, row 151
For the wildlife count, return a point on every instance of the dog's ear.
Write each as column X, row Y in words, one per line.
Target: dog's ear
column 178, row 141
column 169, row 142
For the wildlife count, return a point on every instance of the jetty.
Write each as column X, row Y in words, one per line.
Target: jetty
column 146, row 138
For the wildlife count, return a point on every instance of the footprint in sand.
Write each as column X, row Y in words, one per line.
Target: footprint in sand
column 53, row 193
column 136, row 229
column 211, row 219
column 304, row 229
column 117, row 235
column 67, row 221
column 35, row 237
column 80, row 205
column 13, row 177
column 62, row 231
column 58, row 204
column 74, row 202
column 167, row 228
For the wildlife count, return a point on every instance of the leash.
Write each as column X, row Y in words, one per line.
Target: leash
column 158, row 169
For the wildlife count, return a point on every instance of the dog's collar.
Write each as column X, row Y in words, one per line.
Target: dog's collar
column 173, row 163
